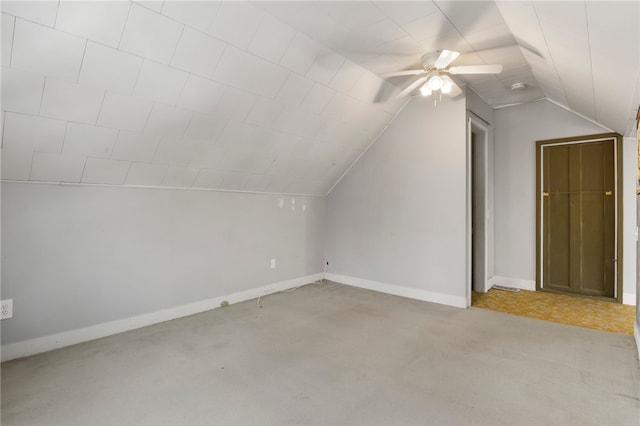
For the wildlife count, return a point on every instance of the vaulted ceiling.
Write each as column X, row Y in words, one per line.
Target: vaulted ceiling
column 276, row 96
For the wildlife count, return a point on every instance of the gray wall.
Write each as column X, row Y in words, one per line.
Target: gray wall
column 629, row 214
column 75, row 256
column 516, row 131
column 398, row 217
column 479, row 107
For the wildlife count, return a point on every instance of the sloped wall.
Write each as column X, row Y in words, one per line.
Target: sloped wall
column 396, row 221
column 78, row 256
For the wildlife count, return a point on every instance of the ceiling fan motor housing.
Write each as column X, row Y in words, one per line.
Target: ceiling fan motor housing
column 430, row 58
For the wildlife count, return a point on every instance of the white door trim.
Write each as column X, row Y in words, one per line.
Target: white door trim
column 615, row 202
column 476, row 124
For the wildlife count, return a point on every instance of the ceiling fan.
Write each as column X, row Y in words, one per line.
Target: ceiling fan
column 435, row 73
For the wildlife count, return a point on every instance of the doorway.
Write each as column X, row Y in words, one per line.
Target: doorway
column 579, row 209
column 478, row 206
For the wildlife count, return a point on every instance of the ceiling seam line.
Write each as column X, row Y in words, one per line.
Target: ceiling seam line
column 146, row 121
column 126, row 176
column 64, row 137
column 13, row 40
column 4, row 122
column 593, row 90
column 135, row 82
column 44, row 84
column 175, row 49
column 458, row 31
column 33, row 157
column 124, row 26
column 584, row 117
column 104, row 95
column 564, row 91
column 169, row 188
column 255, row 31
column 84, row 167
column 115, row 143
column 55, row 19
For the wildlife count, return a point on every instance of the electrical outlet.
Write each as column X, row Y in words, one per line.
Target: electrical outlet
column 273, row 264
column 6, row 309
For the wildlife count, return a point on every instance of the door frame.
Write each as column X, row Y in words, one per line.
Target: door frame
column 617, row 192
column 477, row 125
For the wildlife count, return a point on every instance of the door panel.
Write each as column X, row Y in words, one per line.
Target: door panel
column 557, row 241
column 557, row 206
column 592, row 249
column 578, row 218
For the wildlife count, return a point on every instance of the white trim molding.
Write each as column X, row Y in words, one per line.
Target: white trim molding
column 584, row 117
column 512, row 282
column 170, row 188
column 72, row 337
column 629, row 299
column 397, row 290
column 636, row 334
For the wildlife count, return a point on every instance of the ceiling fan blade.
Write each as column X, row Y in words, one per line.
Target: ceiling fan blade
column 399, row 73
column 476, row 69
column 455, row 89
column 412, row 86
column 445, row 58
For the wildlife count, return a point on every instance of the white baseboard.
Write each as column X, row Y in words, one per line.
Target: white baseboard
column 512, row 282
column 397, row 290
column 72, row 337
column 629, row 299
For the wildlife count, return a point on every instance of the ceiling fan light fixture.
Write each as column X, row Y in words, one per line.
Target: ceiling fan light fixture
column 435, row 82
column 447, row 86
column 435, row 74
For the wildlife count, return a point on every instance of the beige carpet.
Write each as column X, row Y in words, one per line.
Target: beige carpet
column 332, row 355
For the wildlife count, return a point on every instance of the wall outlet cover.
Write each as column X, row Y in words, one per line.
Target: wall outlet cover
column 6, row 309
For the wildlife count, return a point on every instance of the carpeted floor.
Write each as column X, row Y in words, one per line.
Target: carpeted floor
column 579, row 311
column 332, row 355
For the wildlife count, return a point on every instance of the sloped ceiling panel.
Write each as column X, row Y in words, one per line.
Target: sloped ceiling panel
column 589, row 55
column 580, row 54
column 394, row 35
column 183, row 94
column 277, row 96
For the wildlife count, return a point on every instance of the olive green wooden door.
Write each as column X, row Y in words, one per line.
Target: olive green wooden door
column 578, row 226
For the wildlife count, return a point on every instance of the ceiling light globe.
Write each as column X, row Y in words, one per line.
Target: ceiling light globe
column 447, row 86
column 435, row 82
column 425, row 90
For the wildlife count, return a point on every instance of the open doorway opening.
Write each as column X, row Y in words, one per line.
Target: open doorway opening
column 478, row 211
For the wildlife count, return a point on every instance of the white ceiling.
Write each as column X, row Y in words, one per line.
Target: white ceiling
column 276, row 96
